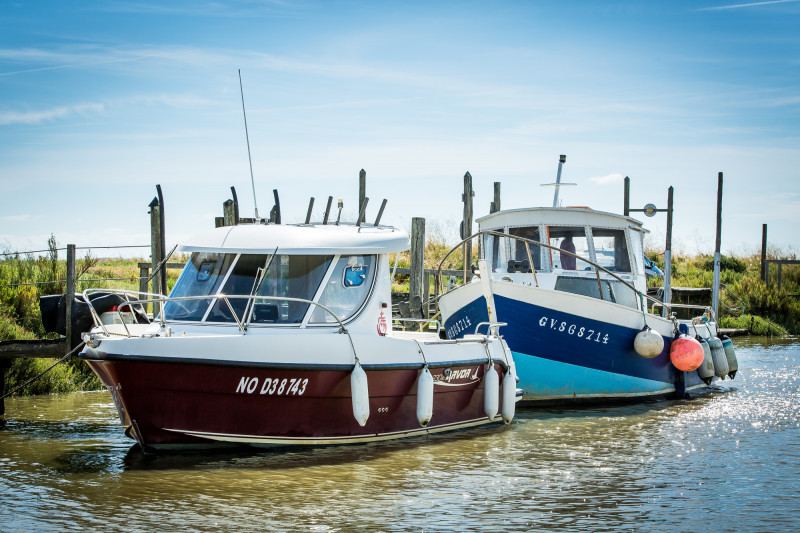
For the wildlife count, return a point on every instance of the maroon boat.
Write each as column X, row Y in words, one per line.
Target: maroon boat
column 282, row 335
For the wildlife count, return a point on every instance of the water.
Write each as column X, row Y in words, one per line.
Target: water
column 728, row 461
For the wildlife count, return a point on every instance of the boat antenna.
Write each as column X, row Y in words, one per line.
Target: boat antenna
column 247, row 136
column 561, row 160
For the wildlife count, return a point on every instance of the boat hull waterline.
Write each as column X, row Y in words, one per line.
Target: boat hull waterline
column 264, row 405
column 571, row 347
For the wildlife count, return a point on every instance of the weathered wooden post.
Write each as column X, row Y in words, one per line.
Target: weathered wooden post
column 229, row 213
column 155, row 245
column 626, row 203
column 466, row 225
column 668, row 254
column 69, row 296
column 362, row 191
column 494, row 207
column 764, row 252
column 715, row 290
column 415, row 285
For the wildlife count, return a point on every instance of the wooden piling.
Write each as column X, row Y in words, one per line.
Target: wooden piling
column 69, row 296
column 155, row 245
column 229, row 210
column 494, row 207
column 764, row 252
column 668, row 253
column 717, row 258
column 362, row 193
column 466, row 225
column 417, row 258
column 626, row 202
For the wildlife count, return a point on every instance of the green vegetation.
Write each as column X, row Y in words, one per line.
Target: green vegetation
column 23, row 279
column 747, row 303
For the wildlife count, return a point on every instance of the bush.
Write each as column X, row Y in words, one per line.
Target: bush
column 726, row 263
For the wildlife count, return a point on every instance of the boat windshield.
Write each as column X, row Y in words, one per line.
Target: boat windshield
column 286, row 276
column 569, row 239
column 611, row 249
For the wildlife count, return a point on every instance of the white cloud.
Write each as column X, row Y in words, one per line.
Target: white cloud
column 608, row 179
column 36, row 117
column 751, row 4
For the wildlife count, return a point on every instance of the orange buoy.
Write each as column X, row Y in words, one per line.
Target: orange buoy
column 686, row 353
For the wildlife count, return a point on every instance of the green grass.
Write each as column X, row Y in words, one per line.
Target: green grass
column 23, row 279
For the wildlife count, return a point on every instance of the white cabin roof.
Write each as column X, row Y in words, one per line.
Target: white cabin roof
column 299, row 239
column 557, row 216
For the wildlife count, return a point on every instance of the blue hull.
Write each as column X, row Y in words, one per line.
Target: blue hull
column 563, row 356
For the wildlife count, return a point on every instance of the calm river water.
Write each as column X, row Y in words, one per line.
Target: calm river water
column 727, row 461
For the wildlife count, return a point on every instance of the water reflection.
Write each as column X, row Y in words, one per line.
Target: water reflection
column 718, row 460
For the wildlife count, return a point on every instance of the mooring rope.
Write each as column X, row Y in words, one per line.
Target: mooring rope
column 19, row 387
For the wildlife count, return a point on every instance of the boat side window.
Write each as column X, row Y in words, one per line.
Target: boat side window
column 202, row 276
column 519, row 253
column 611, row 249
column 570, row 239
column 347, row 288
column 613, row 290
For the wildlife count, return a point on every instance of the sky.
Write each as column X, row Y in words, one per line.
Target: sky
column 102, row 100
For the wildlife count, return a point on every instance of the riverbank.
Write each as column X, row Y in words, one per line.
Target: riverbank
column 746, row 302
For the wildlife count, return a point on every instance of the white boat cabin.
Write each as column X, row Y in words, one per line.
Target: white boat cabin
column 276, row 270
column 614, row 242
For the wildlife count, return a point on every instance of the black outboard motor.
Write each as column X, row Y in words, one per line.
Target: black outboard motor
column 54, row 312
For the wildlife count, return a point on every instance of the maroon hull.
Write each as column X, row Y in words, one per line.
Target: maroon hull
column 178, row 404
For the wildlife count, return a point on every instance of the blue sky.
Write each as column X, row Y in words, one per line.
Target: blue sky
column 102, row 100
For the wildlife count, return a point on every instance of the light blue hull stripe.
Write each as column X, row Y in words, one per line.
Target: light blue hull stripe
column 545, row 379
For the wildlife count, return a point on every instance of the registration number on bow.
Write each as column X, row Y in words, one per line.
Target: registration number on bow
column 573, row 329
column 273, row 387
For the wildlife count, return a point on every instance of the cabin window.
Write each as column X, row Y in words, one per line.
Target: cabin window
column 494, row 251
column 519, row 254
column 613, row 290
column 568, row 239
column 611, row 249
column 284, row 276
column 347, row 288
column 202, row 276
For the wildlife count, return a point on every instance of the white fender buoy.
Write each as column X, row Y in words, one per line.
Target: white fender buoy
column 491, row 391
column 509, row 397
column 706, row 370
column 360, row 393
column 424, row 397
column 648, row 343
column 718, row 355
column 730, row 355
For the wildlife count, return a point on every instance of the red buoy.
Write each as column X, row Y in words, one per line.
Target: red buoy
column 686, row 353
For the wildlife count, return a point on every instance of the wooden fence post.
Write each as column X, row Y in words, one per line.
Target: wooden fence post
column 417, row 260
column 144, row 273
column 69, row 297
column 626, row 202
column 668, row 254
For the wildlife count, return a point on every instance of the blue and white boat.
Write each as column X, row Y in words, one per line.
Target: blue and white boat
column 569, row 285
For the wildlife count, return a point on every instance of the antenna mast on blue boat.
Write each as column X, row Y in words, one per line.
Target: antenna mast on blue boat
column 247, row 136
column 561, row 160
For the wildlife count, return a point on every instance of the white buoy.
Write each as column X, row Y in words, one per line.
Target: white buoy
column 491, row 392
column 718, row 355
column 648, row 343
column 424, row 397
column 730, row 355
column 509, row 397
column 360, row 392
column 706, row 370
